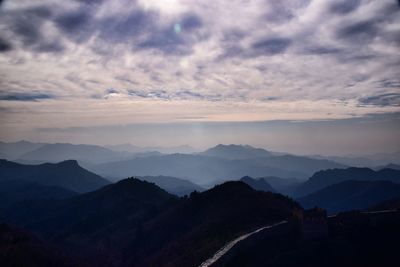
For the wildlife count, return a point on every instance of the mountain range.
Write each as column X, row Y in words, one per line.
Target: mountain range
column 322, row 179
column 85, row 153
column 173, row 185
column 351, row 195
column 257, row 184
column 139, row 224
column 185, row 149
column 206, row 170
column 236, row 152
column 134, row 222
column 67, row 174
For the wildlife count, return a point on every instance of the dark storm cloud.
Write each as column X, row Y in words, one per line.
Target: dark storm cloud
column 284, row 10
column 175, row 38
column 4, row 46
column 117, row 29
column 24, row 96
column 53, row 46
column 344, row 6
column 26, row 25
column 90, row 2
column 387, row 83
column 361, row 32
column 177, row 95
column 72, row 21
column 28, row 28
column 190, row 95
column 112, row 91
column 322, row 50
column 280, row 13
column 155, row 94
column 271, row 46
column 165, row 40
column 190, row 22
column 382, row 100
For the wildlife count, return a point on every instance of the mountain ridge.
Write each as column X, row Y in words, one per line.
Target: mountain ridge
column 68, row 174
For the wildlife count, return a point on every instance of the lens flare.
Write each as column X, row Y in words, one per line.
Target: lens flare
column 177, row 28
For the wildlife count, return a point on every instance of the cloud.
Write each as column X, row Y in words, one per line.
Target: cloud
column 27, row 26
column 174, row 38
column 343, row 7
column 361, row 32
column 73, row 22
column 383, row 100
column 322, row 50
column 125, row 28
column 271, row 46
column 4, row 46
column 231, row 60
column 387, row 83
column 24, row 96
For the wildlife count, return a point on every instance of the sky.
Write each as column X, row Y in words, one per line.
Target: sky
column 304, row 76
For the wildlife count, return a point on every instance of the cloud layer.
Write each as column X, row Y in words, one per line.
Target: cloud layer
column 100, row 62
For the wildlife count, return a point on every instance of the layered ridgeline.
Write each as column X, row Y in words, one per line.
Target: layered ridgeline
column 325, row 178
column 91, row 217
column 173, row 185
column 83, row 153
column 236, row 152
column 257, row 184
column 12, row 151
column 67, row 174
column 136, row 223
column 17, row 190
column 218, row 164
column 351, row 195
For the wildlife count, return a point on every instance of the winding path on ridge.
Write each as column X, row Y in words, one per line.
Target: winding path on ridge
column 225, row 249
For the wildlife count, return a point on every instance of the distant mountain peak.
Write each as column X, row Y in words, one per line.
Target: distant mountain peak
column 233, row 151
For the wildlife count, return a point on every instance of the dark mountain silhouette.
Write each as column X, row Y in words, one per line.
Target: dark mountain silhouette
column 207, row 170
column 390, row 204
column 20, row 248
column 197, row 227
column 258, row 184
column 85, row 153
column 325, row 178
column 15, row 150
column 17, row 190
column 14, row 193
column 88, row 222
column 236, row 152
column 354, row 239
column 136, row 223
column 283, row 185
column 388, row 166
column 173, row 185
column 351, row 195
column 67, row 174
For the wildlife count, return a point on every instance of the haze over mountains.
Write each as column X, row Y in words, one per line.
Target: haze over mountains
column 179, row 209
column 178, row 133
